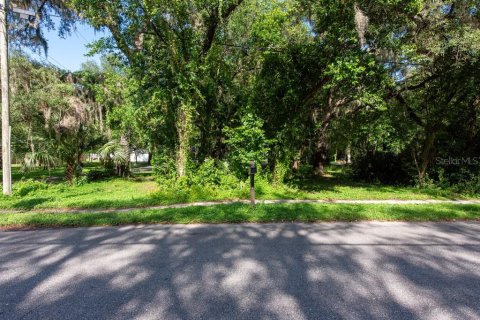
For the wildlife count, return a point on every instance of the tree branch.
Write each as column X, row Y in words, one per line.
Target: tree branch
column 213, row 22
column 411, row 112
column 421, row 84
column 314, row 91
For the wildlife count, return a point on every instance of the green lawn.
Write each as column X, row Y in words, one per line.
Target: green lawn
column 142, row 191
column 243, row 213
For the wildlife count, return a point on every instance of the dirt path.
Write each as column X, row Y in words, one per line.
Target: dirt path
column 213, row 203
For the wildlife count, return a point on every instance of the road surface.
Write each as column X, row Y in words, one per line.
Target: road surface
column 248, row 271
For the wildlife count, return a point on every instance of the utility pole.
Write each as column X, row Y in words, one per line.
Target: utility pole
column 6, row 130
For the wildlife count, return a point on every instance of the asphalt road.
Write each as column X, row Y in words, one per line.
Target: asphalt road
column 268, row 271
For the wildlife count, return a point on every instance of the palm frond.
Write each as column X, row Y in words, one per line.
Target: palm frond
column 33, row 160
column 115, row 152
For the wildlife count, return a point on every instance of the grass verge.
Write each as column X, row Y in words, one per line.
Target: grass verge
column 128, row 193
column 238, row 213
column 142, row 191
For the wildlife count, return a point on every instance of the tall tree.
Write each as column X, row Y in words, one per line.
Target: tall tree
column 169, row 46
column 52, row 114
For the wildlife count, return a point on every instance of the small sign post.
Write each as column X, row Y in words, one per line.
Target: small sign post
column 253, row 171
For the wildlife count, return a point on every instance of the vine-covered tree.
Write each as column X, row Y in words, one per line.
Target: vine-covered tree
column 371, row 81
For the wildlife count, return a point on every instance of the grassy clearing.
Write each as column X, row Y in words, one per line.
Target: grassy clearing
column 142, row 191
column 113, row 193
column 243, row 213
column 124, row 193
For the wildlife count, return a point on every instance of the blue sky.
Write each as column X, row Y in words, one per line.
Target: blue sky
column 69, row 53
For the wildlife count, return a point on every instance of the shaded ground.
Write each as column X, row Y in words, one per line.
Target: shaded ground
column 143, row 191
column 246, row 271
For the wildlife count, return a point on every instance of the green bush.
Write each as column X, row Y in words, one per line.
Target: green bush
column 229, row 181
column 469, row 187
column 80, row 181
column 246, row 142
column 459, row 180
column 165, row 170
column 25, row 187
column 208, row 173
column 281, row 172
column 211, row 175
column 384, row 167
column 99, row 174
column 464, row 181
column 304, row 172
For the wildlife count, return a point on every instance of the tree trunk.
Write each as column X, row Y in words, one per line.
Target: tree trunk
column 348, row 152
column 295, row 165
column 182, row 155
column 426, row 156
column 70, row 170
column 30, row 138
column 297, row 159
column 183, row 130
column 100, row 118
column 79, row 159
column 149, row 158
column 320, row 157
column 124, row 169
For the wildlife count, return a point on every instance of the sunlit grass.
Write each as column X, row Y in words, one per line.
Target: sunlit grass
column 243, row 213
column 142, row 191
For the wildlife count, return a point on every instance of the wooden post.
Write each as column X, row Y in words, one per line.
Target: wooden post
column 252, row 190
column 253, row 170
column 6, row 129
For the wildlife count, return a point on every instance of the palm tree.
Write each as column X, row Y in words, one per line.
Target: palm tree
column 39, row 159
column 115, row 152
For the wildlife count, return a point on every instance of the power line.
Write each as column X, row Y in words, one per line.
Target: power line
column 51, row 61
column 63, row 17
column 62, row 66
column 81, row 35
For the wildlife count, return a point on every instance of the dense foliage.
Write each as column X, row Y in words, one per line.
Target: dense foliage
column 206, row 85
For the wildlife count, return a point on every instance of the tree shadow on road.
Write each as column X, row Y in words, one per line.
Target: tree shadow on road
column 248, row 271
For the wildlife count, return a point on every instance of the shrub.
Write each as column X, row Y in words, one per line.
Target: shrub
column 470, row 186
column 164, row 168
column 99, row 174
column 207, row 173
column 212, row 174
column 384, row 167
column 463, row 181
column 246, row 142
column 229, row 181
column 38, row 159
column 25, row 187
column 81, row 180
column 281, row 172
column 304, row 172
